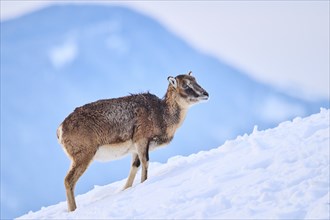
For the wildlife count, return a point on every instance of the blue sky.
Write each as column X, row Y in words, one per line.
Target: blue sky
column 283, row 43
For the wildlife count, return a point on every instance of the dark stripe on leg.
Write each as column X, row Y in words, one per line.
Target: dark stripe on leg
column 136, row 162
column 147, row 150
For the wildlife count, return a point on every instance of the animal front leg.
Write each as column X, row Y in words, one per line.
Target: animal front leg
column 144, row 174
column 132, row 173
column 143, row 153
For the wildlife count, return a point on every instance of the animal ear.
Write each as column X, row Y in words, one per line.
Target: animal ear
column 190, row 73
column 172, row 80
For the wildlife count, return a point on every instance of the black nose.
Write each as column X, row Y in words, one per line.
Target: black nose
column 205, row 93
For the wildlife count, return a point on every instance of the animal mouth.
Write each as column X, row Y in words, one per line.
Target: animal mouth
column 199, row 97
column 204, row 98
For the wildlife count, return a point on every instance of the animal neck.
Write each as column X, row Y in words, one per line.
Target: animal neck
column 174, row 112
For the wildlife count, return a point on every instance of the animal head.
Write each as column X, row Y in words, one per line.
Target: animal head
column 188, row 90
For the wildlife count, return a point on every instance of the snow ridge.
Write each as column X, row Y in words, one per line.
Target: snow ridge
column 280, row 173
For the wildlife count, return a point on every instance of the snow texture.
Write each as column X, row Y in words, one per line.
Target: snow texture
column 87, row 52
column 280, row 173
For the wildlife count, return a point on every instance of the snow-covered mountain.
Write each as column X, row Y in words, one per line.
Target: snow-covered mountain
column 280, row 173
column 61, row 57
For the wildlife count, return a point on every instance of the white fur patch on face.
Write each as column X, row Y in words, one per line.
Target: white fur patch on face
column 114, row 151
column 202, row 100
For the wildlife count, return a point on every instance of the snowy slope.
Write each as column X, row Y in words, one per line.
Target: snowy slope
column 280, row 173
column 65, row 56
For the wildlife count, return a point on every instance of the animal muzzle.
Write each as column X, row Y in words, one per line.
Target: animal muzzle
column 203, row 95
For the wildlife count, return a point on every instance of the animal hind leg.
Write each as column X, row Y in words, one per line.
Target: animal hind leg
column 132, row 173
column 76, row 170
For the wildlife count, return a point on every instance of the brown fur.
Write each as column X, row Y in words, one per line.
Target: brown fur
column 133, row 124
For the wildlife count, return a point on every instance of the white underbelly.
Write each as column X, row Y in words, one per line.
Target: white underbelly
column 113, row 151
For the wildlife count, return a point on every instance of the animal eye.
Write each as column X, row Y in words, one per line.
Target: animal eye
column 185, row 86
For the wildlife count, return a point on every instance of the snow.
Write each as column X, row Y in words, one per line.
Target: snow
column 84, row 53
column 280, row 173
